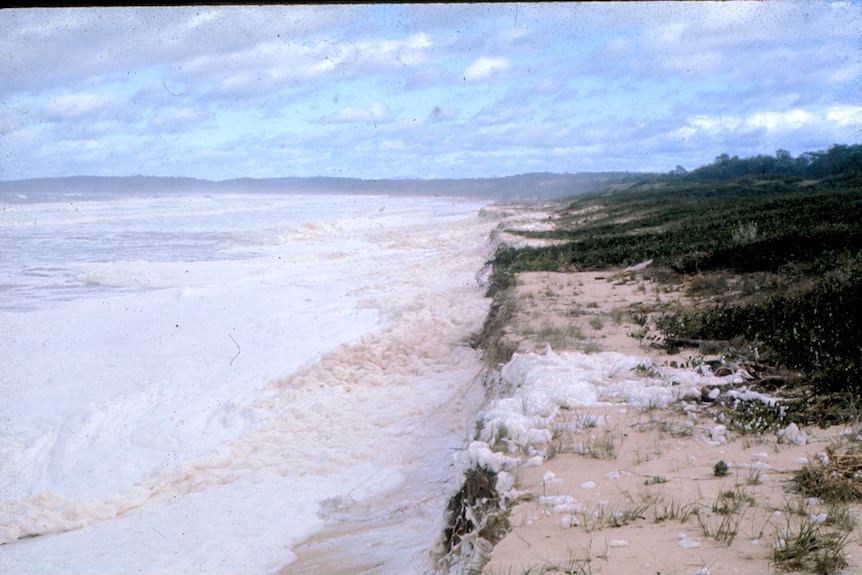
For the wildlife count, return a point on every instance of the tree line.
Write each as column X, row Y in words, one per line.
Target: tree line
column 839, row 160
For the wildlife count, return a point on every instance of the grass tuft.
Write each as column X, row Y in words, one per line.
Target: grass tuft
column 836, row 477
column 811, row 548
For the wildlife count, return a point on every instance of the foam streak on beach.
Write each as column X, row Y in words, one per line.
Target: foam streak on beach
column 200, row 383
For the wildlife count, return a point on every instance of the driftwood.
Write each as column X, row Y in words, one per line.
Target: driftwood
column 773, row 380
column 686, row 342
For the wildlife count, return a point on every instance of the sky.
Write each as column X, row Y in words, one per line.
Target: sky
column 425, row 91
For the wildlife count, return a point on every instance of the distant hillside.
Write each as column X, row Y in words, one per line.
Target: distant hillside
column 536, row 186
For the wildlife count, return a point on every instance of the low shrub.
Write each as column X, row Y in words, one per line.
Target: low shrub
column 818, row 332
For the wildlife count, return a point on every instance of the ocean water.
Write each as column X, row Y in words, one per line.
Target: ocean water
column 194, row 383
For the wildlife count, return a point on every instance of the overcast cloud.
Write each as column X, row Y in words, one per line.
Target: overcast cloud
column 427, row 91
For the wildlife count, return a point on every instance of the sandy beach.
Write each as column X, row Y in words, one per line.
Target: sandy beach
column 650, row 499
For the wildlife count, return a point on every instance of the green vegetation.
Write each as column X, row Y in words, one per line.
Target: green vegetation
column 768, row 251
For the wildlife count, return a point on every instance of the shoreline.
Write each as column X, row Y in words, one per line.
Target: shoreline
column 614, row 485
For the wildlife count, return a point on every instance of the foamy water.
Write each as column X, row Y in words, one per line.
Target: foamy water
column 197, row 384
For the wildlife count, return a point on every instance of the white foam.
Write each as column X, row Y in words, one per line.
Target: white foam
column 792, row 434
column 167, row 405
column 546, row 383
column 686, row 543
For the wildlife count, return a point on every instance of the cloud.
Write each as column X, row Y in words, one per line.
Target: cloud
column 845, row 115
column 177, row 119
column 551, row 85
column 336, row 52
column 486, row 69
column 770, row 47
column 829, row 119
column 438, row 114
column 75, row 106
column 376, row 113
column 70, row 46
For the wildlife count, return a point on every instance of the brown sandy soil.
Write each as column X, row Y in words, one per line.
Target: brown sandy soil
column 655, row 504
column 587, row 311
column 649, row 500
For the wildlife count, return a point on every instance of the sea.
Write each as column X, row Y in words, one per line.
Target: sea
column 199, row 383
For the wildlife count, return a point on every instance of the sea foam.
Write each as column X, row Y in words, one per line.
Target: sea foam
column 196, row 383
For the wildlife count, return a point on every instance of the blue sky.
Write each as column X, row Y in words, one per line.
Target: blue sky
column 422, row 90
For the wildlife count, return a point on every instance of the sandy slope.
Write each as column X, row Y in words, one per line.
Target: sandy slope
column 624, row 506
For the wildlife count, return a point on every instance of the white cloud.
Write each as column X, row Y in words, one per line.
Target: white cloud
column 486, row 68
column 625, row 85
column 776, row 122
column 376, row 113
column 338, row 52
column 783, row 121
column 845, row 115
column 175, row 119
column 548, row 86
column 72, row 106
column 418, row 41
column 738, row 40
